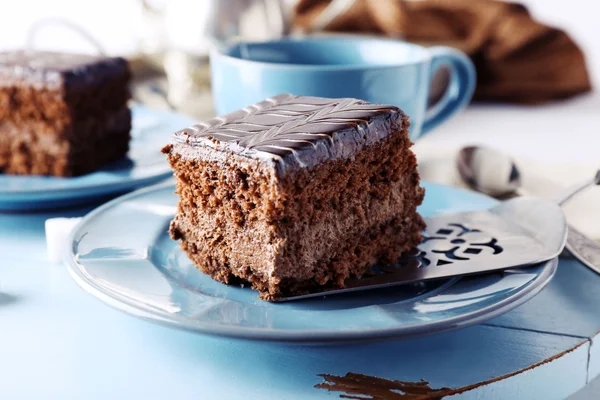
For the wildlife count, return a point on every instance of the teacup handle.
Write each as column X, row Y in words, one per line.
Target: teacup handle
column 460, row 87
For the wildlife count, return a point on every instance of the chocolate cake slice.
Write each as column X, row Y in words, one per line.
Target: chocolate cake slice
column 62, row 114
column 295, row 193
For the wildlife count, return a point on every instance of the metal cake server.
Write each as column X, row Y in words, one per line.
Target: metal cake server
column 519, row 232
column 496, row 174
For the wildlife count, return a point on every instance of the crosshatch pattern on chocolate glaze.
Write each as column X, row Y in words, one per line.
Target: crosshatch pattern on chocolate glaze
column 283, row 124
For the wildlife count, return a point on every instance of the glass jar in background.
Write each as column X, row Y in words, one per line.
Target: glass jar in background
column 178, row 34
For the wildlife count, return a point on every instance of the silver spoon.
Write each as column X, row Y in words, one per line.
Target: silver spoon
column 496, row 174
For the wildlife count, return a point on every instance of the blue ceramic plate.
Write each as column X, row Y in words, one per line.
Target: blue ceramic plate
column 122, row 254
column 144, row 165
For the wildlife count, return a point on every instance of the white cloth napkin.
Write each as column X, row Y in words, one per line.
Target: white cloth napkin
column 539, row 179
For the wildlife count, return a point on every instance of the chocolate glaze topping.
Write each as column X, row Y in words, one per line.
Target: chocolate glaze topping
column 296, row 130
column 52, row 69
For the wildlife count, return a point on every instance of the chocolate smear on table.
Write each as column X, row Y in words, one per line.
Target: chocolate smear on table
column 357, row 386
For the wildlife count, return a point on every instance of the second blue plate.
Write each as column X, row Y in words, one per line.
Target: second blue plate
column 145, row 165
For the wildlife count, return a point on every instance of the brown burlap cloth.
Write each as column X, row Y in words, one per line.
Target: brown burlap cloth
column 518, row 59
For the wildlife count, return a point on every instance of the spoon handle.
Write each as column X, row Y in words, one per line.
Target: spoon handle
column 571, row 191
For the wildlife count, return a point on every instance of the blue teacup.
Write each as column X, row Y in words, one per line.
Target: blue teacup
column 372, row 69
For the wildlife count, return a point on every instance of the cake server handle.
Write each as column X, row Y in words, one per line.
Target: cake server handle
column 586, row 250
column 460, row 88
column 570, row 192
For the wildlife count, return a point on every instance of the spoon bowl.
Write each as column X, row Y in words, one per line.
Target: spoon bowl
column 488, row 171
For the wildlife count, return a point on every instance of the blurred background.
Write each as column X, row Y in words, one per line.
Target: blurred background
column 173, row 36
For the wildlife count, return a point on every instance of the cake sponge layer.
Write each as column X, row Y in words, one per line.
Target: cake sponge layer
column 240, row 219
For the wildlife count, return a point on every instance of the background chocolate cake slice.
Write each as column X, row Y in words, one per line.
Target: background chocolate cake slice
column 296, row 192
column 62, row 114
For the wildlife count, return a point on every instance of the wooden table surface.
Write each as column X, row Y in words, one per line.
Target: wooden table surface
column 56, row 341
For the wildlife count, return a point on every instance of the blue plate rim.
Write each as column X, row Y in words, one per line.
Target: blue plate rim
column 84, row 191
column 131, row 307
